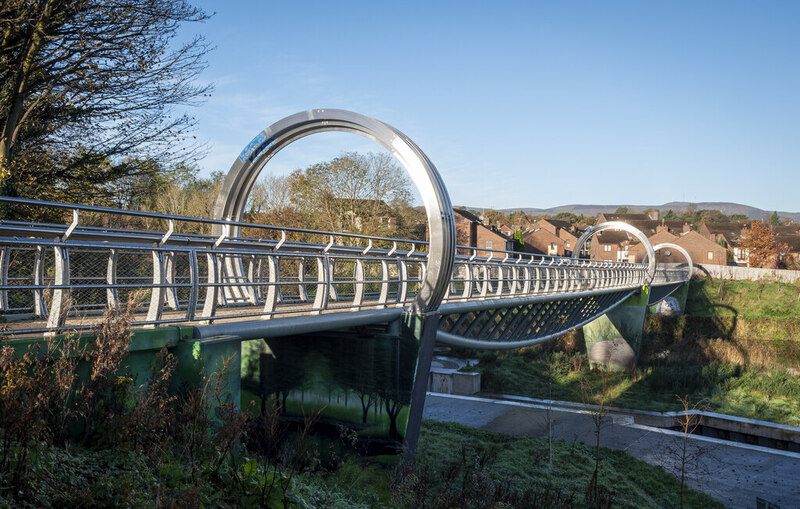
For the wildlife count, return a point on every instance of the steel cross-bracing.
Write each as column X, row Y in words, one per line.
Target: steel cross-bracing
column 224, row 274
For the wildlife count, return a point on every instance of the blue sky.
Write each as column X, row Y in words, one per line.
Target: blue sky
column 527, row 104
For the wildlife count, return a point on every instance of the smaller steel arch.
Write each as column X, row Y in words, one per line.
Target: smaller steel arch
column 681, row 250
column 619, row 225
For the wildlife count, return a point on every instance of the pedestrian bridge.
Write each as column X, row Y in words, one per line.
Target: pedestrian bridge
column 343, row 321
column 224, row 275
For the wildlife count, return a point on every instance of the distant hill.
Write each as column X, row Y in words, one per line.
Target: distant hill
column 726, row 208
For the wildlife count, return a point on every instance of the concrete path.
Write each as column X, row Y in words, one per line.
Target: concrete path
column 734, row 473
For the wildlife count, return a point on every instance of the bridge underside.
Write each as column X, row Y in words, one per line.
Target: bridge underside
column 659, row 293
column 522, row 322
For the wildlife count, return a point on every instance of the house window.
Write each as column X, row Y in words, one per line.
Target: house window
column 552, row 245
column 568, row 244
column 607, row 248
column 710, row 255
column 488, row 244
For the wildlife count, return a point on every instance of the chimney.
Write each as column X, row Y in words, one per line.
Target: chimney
column 686, row 227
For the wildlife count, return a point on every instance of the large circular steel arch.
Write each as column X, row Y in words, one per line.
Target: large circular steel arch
column 619, row 225
column 244, row 171
column 669, row 245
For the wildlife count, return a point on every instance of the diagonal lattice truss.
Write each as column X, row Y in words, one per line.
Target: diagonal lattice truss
column 57, row 276
column 524, row 322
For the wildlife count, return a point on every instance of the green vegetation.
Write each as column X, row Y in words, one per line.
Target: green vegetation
column 737, row 347
column 743, row 299
column 455, row 465
column 751, row 392
column 520, row 464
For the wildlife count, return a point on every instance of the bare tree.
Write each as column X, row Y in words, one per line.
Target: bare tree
column 596, row 400
column 270, row 193
column 688, row 421
column 353, row 192
column 82, row 81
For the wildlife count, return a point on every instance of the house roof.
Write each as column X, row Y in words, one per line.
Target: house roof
column 662, row 236
column 786, row 229
column 626, row 217
column 723, row 228
column 469, row 215
column 676, row 224
column 566, row 225
column 695, row 237
column 648, row 226
column 612, row 237
column 793, row 241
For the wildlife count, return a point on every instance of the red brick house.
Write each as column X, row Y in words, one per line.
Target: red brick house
column 728, row 235
column 663, row 236
column 470, row 231
column 791, row 256
column 703, row 250
column 550, row 237
column 612, row 245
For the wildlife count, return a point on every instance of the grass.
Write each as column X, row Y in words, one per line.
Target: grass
column 122, row 478
column 745, row 299
column 496, row 463
column 521, row 463
column 772, row 395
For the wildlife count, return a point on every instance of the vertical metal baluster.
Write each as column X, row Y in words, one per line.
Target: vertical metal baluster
column 157, row 297
column 57, row 315
column 481, row 276
column 358, row 285
column 526, row 282
column 212, row 290
column 194, row 291
column 384, row 293
column 112, row 298
column 59, row 309
column 259, row 278
column 271, row 300
column 323, row 281
column 402, row 286
column 39, row 305
column 251, row 278
column 4, row 252
column 547, row 279
column 168, row 269
column 171, row 292
column 500, row 280
column 301, row 287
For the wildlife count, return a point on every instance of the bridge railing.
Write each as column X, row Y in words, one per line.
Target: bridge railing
column 669, row 273
column 510, row 274
column 56, row 276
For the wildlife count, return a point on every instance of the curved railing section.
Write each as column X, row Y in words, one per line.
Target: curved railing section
column 650, row 256
column 669, row 277
column 63, row 276
column 670, row 273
